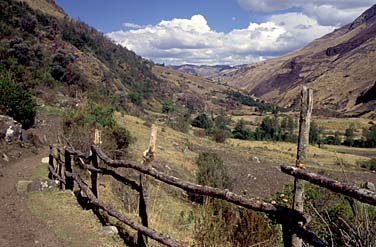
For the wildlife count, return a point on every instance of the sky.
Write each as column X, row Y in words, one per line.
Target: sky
column 214, row 32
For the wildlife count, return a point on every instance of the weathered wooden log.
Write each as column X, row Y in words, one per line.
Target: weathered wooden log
column 148, row 156
column 116, row 175
column 78, row 153
column 111, row 211
column 353, row 191
column 55, row 176
column 69, row 182
column 303, row 141
column 284, row 215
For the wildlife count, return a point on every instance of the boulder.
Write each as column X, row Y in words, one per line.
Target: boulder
column 10, row 129
column 45, row 160
column 41, row 184
column 5, row 157
column 369, row 186
column 108, row 230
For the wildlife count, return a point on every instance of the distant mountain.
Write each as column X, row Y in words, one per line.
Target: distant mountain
column 340, row 67
column 205, row 71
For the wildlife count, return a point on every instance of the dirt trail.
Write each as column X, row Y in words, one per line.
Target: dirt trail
column 18, row 228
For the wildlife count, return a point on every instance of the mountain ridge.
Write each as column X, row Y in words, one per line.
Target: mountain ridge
column 338, row 66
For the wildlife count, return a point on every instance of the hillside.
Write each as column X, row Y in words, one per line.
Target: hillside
column 62, row 60
column 339, row 67
column 205, row 71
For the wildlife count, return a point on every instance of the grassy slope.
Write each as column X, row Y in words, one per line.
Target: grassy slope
column 175, row 155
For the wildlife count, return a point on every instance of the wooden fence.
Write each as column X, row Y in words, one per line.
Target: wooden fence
column 293, row 221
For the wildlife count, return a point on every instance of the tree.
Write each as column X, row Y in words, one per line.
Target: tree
column 242, row 132
column 315, row 134
column 266, row 128
column 370, row 136
column 337, row 138
column 221, row 121
column 349, row 135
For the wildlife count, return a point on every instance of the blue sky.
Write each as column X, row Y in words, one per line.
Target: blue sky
column 214, row 31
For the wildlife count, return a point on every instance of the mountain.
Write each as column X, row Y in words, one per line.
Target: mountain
column 63, row 62
column 339, row 67
column 205, row 71
column 61, row 59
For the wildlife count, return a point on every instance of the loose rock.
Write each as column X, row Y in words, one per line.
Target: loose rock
column 108, row 230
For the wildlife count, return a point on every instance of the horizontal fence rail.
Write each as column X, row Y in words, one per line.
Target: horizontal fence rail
column 353, row 191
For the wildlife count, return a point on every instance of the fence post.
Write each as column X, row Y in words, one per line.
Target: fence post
column 69, row 182
column 94, row 174
column 303, row 141
column 148, row 156
column 59, row 167
column 50, row 163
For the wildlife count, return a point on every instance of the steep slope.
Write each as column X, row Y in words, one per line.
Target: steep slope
column 51, row 54
column 338, row 66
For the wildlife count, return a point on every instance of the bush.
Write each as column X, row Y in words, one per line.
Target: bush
column 16, row 102
column 220, row 135
column 167, row 106
column 202, row 121
column 242, row 132
column 135, row 98
column 211, row 171
column 122, row 137
column 369, row 164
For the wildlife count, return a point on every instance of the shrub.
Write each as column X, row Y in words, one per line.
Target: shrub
column 181, row 123
column 167, row 106
column 220, row 135
column 122, row 137
column 16, row 102
column 242, row 132
column 135, row 98
column 211, row 171
column 202, row 121
column 369, row 164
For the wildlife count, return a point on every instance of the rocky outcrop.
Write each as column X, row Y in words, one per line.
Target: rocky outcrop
column 10, row 129
column 364, row 18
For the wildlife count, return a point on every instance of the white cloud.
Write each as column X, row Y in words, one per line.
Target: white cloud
column 326, row 12
column 132, row 25
column 191, row 40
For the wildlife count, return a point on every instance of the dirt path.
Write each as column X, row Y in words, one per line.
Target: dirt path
column 18, row 228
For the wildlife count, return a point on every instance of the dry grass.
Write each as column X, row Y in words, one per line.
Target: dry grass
column 45, row 7
column 341, row 124
column 61, row 213
column 284, row 152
